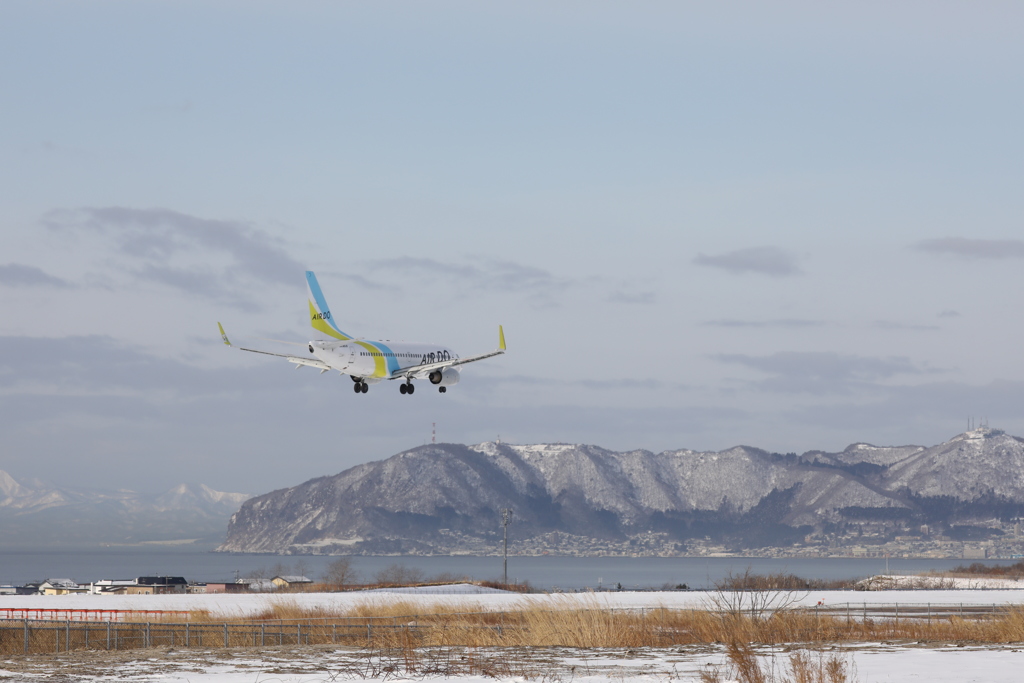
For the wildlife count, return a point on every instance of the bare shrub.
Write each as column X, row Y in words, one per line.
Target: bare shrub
column 449, row 577
column 340, row 573
column 1015, row 570
column 779, row 581
column 398, row 575
column 748, row 595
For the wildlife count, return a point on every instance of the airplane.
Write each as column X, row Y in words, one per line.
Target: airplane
column 370, row 362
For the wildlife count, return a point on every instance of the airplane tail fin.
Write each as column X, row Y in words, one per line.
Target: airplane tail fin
column 319, row 314
column 224, row 335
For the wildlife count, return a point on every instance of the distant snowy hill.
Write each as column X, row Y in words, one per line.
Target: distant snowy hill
column 447, row 497
column 33, row 514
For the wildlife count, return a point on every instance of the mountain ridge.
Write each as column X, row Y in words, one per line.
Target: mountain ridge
column 444, row 498
column 36, row 514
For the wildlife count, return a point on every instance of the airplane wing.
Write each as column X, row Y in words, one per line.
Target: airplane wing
column 299, row 361
column 425, row 369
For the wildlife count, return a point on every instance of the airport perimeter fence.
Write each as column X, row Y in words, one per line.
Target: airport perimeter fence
column 42, row 636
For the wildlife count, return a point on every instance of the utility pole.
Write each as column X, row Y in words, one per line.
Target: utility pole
column 506, row 517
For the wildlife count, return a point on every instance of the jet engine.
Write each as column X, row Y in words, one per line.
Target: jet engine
column 444, row 378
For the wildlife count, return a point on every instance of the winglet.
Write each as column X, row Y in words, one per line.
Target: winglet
column 223, row 335
column 501, row 338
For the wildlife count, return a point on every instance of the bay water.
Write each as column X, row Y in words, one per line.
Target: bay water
column 20, row 566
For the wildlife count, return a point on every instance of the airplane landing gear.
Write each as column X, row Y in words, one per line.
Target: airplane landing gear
column 442, row 390
column 360, row 387
column 407, row 388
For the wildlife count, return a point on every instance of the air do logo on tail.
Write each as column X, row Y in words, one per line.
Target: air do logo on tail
column 319, row 314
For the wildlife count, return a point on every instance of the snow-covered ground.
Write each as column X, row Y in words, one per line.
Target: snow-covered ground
column 228, row 605
column 896, row 663
column 867, row 664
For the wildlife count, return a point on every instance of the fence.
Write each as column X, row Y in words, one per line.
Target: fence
column 33, row 636
column 40, row 614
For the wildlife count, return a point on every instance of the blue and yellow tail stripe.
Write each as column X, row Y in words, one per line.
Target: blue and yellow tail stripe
column 319, row 314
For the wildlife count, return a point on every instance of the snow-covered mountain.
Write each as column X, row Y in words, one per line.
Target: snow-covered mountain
column 35, row 514
column 441, row 497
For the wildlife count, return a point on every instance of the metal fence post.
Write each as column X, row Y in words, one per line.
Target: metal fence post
column 26, row 636
column 108, row 635
column 225, row 634
column 263, row 633
column 147, row 634
column 188, row 633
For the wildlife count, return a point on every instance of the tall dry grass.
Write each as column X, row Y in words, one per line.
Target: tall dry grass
column 591, row 625
column 744, row 665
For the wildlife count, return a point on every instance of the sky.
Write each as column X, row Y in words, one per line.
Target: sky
column 790, row 225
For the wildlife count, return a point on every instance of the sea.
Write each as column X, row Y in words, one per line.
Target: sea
column 548, row 572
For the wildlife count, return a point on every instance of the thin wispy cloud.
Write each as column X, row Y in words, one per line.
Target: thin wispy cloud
column 626, row 297
column 972, row 248
column 199, row 256
column 821, row 372
column 788, row 323
column 481, row 275
column 897, row 406
column 913, row 327
column 21, row 275
column 771, row 261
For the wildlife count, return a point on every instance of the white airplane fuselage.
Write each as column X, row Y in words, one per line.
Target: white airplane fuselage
column 369, row 362
column 373, row 361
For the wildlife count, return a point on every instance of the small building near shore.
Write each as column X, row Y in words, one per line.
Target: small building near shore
column 61, row 587
column 227, row 587
column 143, row 585
column 290, row 581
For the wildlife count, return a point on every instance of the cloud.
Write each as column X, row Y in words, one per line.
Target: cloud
column 973, row 248
column 793, row 323
column 949, row 313
column 495, row 275
column 92, row 366
column 602, row 384
column 771, row 261
column 93, row 408
column 821, row 372
column 204, row 257
column 19, row 275
column 893, row 325
column 929, row 404
column 623, row 297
